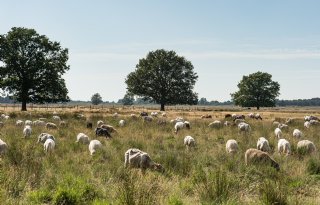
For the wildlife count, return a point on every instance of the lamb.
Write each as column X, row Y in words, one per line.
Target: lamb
column 278, row 133
column 189, row 141
column 255, row 156
column 122, row 123
column 102, row 132
column 139, row 159
column 308, row 118
column 297, row 133
column 306, row 147
column 83, row 138
column 49, row 145
column 263, row 144
column 179, row 125
column 244, row 127
column 44, row 136
column 232, row 146
column 51, row 125
column 284, row 147
column 3, row 147
column 99, row 123
column 215, row 124
column 94, row 145
column 238, row 117
column 27, row 131
column 251, row 115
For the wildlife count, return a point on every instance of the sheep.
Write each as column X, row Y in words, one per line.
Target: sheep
column 143, row 114
column 94, row 145
column 109, row 128
column 314, row 122
column 28, row 122
column 278, row 133
column 39, row 123
column 178, row 119
column 99, row 123
column 89, row 125
column 154, row 114
column 180, row 125
column 51, row 125
column 164, row 114
column 215, row 124
column 55, row 117
column 308, row 118
column 227, row 123
column 238, row 117
column 263, row 144
column 19, row 123
column 283, row 126
column 115, row 115
column 147, row 118
column 232, row 146
column 83, row 138
column 306, row 124
column 44, row 136
column 206, row 116
column 255, row 156
column 189, row 141
column 27, row 131
column 227, row 116
column 3, row 147
column 306, row 147
column 244, row 127
column 297, row 133
column 102, row 132
column 49, row 145
column 237, row 121
column 138, row 159
column 284, row 147
column 275, row 123
column 162, row 121
column 63, row 123
column 251, row 115
column 257, row 116
column 122, row 123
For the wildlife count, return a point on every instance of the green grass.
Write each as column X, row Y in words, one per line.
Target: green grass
column 204, row 175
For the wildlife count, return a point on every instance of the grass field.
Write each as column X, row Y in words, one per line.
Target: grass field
column 205, row 175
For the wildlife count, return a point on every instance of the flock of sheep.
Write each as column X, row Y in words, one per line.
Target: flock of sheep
column 139, row 159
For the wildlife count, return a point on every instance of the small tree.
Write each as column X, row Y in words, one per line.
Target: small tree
column 128, row 99
column 32, row 67
column 165, row 78
column 256, row 90
column 96, row 99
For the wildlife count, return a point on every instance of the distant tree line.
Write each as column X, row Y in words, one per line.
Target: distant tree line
column 299, row 102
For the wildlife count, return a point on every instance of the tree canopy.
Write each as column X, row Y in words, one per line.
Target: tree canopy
column 256, row 90
column 165, row 78
column 96, row 99
column 31, row 67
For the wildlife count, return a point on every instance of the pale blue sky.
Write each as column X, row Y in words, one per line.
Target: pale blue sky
column 223, row 39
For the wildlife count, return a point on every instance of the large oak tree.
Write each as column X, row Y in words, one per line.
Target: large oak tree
column 165, row 78
column 31, row 67
column 256, row 90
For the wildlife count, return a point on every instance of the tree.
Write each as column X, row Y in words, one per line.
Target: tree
column 31, row 67
column 165, row 78
column 96, row 99
column 203, row 101
column 256, row 90
column 128, row 99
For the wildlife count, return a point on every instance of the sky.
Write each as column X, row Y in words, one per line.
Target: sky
column 224, row 40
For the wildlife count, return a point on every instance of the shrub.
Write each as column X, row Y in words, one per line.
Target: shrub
column 313, row 166
column 272, row 193
column 65, row 197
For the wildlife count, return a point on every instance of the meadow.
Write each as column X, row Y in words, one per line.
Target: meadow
column 204, row 175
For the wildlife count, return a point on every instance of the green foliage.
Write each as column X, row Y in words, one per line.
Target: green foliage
column 313, row 166
column 174, row 200
column 272, row 192
column 128, row 99
column 165, row 78
column 33, row 67
column 256, row 90
column 96, row 99
column 65, row 197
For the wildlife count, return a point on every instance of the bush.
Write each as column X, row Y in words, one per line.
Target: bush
column 65, row 197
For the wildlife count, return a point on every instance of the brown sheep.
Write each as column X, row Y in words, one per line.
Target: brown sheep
column 255, row 156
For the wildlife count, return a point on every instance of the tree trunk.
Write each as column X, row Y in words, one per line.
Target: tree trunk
column 162, row 107
column 24, row 105
column 258, row 107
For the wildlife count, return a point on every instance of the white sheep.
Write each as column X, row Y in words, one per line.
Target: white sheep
column 154, row 114
column 255, row 156
column 227, row 123
column 278, row 132
column 44, row 136
column 27, row 131
column 19, row 123
column 49, row 145
column 232, row 146
column 297, row 133
column 180, row 125
column 28, row 122
column 50, row 125
column 244, row 127
column 275, row 123
column 63, row 123
column 83, row 138
column 56, row 117
column 314, row 122
column 306, row 124
column 3, row 147
column 39, row 123
column 99, row 123
column 215, row 124
column 283, row 126
column 189, row 141
column 178, row 119
column 263, row 144
column 94, row 145
column 284, row 147
column 122, row 123
column 164, row 114
column 306, row 146
column 138, row 159
column 115, row 114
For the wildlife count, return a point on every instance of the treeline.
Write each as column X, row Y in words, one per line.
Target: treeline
column 299, row 102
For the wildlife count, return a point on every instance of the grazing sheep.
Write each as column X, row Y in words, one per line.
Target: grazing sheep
column 102, row 132
column 307, row 124
column 49, row 145
column 189, row 141
column 314, row 122
column 278, row 133
column 244, row 127
column 255, row 156
column 232, row 146
column 227, row 123
column 94, row 145
column 263, row 144
column 89, row 125
column 257, row 116
column 289, row 121
column 27, row 131
column 180, row 125
column 28, row 122
column 215, row 124
column 44, row 136
column 178, row 119
column 63, row 123
column 164, row 114
column 109, row 128
column 306, row 147
column 115, row 114
column 3, row 147
column 308, row 118
column 283, row 126
column 51, row 125
column 83, row 138
column 39, row 123
column 276, row 123
column 139, row 159
column 143, row 114
column 147, row 118
column 122, row 123
column 206, row 116
column 154, row 114
column 297, row 134
column 55, row 117
column 251, row 115
column 19, row 123
column 238, row 117
column 284, row 147
column 237, row 121
column 99, row 123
